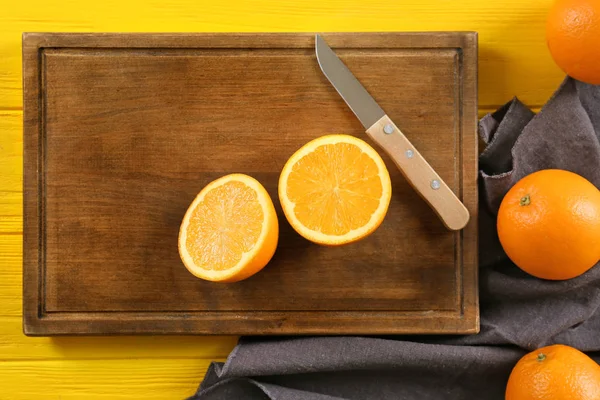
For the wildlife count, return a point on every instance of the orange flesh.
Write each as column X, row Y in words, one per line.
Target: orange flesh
column 224, row 225
column 335, row 189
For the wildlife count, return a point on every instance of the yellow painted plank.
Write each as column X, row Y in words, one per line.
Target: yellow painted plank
column 11, row 150
column 11, row 223
column 92, row 379
column 15, row 346
column 11, row 248
column 513, row 58
column 11, row 211
column 11, row 171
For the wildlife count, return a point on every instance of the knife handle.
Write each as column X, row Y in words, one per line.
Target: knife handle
column 419, row 173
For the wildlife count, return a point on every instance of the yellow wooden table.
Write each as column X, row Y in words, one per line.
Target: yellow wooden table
column 513, row 60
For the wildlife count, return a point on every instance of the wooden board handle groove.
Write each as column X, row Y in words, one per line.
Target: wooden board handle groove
column 419, row 173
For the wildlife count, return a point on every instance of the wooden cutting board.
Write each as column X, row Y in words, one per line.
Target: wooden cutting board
column 121, row 131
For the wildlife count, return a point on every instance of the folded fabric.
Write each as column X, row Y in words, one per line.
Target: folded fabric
column 519, row 312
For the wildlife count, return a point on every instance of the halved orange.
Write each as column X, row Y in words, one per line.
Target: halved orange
column 335, row 190
column 230, row 231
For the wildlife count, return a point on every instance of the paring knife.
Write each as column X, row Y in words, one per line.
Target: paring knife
column 382, row 130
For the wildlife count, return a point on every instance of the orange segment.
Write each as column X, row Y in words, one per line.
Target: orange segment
column 335, row 190
column 230, row 230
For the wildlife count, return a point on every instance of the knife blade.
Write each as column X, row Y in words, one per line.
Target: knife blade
column 382, row 130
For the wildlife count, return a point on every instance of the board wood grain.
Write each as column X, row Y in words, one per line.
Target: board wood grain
column 122, row 131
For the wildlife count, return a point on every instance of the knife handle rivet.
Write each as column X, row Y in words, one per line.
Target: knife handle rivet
column 435, row 184
column 388, row 128
column 409, row 153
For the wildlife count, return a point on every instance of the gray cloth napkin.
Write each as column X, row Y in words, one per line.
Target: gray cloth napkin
column 519, row 313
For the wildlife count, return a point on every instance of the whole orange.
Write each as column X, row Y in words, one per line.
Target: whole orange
column 573, row 36
column 549, row 224
column 556, row 372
